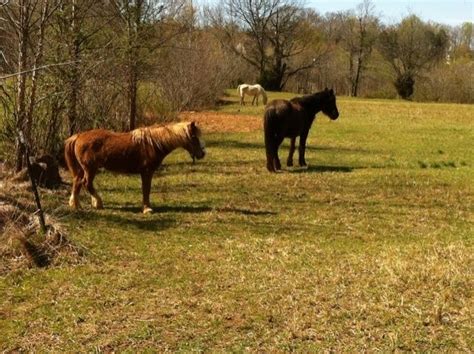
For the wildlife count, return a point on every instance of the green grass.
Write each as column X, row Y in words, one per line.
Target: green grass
column 370, row 248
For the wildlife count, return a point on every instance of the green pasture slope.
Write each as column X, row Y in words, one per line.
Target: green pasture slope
column 370, row 248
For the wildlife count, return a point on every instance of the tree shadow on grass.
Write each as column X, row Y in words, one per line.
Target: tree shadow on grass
column 192, row 209
column 238, row 144
column 322, row 169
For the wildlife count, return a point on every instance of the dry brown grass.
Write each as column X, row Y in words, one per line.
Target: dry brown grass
column 212, row 122
column 22, row 245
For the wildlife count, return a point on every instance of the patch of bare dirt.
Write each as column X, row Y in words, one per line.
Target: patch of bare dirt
column 212, row 122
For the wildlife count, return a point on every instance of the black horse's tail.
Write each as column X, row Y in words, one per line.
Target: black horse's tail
column 269, row 122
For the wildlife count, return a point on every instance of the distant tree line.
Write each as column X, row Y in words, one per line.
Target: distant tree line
column 70, row 65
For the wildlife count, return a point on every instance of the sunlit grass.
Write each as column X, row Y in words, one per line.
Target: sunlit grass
column 370, row 248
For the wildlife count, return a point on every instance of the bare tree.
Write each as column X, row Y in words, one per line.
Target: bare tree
column 144, row 31
column 75, row 25
column 462, row 41
column 268, row 34
column 357, row 34
column 411, row 47
column 27, row 21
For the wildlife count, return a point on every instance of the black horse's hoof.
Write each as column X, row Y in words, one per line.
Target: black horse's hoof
column 289, row 163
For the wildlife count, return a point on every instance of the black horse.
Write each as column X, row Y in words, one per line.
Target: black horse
column 289, row 119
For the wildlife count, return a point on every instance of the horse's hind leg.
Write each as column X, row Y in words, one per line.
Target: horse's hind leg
column 96, row 201
column 76, row 189
column 289, row 161
column 276, row 159
column 146, row 187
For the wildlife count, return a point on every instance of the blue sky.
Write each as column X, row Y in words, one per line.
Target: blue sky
column 451, row 12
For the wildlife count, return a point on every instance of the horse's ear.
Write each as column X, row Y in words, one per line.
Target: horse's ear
column 326, row 89
column 193, row 127
column 331, row 91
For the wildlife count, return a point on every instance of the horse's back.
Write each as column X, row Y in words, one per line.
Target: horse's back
column 285, row 116
column 281, row 107
column 105, row 148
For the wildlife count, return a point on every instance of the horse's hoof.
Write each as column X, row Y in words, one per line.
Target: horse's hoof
column 147, row 210
column 97, row 203
column 304, row 167
column 74, row 203
column 289, row 163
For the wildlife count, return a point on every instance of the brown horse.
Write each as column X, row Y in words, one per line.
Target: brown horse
column 140, row 151
column 289, row 119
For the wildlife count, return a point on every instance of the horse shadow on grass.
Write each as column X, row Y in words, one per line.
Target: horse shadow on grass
column 140, row 222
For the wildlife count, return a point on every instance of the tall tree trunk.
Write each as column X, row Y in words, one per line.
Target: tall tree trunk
column 132, row 97
column 355, row 86
column 23, row 32
column 34, row 76
column 133, row 28
column 360, row 57
column 74, row 80
column 351, row 71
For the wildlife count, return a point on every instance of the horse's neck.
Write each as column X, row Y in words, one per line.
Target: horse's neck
column 314, row 105
column 168, row 141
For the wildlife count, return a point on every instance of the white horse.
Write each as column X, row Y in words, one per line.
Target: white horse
column 251, row 90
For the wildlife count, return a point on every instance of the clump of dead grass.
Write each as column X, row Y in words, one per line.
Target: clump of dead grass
column 22, row 244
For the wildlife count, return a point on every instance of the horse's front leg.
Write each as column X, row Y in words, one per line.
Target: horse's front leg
column 146, row 187
column 289, row 161
column 302, row 149
column 253, row 100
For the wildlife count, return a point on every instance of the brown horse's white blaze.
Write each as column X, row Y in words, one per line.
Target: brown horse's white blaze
column 140, row 151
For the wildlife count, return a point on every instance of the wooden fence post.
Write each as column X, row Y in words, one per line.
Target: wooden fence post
column 39, row 211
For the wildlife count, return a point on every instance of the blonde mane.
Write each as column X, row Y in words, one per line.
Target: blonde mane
column 164, row 137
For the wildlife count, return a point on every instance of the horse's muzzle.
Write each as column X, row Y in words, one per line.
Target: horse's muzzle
column 200, row 155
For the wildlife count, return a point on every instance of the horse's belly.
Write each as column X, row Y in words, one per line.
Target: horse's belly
column 123, row 164
column 293, row 131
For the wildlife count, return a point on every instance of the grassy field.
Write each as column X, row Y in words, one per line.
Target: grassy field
column 370, row 248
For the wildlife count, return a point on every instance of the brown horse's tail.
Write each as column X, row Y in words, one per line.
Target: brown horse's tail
column 269, row 120
column 70, row 156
